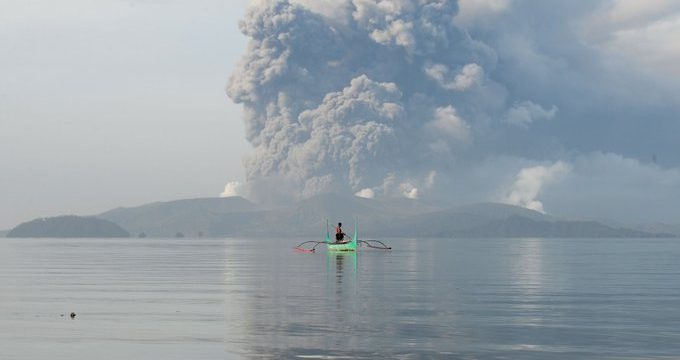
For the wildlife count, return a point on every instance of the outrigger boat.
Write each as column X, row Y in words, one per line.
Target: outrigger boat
column 350, row 245
column 343, row 246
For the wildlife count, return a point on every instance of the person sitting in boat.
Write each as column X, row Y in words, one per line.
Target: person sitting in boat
column 339, row 234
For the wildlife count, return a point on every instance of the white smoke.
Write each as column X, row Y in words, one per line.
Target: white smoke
column 409, row 191
column 365, row 193
column 233, row 188
column 530, row 181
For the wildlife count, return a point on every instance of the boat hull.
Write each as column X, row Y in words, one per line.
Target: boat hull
column 350, row 246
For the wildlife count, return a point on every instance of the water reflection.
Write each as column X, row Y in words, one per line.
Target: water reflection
column 528, row 273
column 341, row 279
column 430, row 298
column 341, row 265
column 450, row 298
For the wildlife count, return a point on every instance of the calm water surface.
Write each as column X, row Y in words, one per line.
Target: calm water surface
column 430, row 298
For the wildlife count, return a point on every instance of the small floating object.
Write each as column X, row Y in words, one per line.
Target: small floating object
column 73, row 315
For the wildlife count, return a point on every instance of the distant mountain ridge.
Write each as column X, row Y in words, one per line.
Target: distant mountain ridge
column 235, row 216
column 659, row 228
column 187, row 216
column 378, row 218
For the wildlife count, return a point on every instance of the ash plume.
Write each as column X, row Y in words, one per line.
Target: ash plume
column 459, row 101
column 352, row 103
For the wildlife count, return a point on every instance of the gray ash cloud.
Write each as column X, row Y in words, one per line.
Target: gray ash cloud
column 360, row 100
column 462, row 101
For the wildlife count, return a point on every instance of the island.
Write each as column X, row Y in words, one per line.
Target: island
column 68, row 226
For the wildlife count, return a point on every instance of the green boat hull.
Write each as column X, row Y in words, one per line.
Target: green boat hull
column 350, row 246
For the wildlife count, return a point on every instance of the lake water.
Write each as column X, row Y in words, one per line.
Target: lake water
column 430, row 298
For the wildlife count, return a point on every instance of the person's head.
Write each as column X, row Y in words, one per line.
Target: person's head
column 339, row 224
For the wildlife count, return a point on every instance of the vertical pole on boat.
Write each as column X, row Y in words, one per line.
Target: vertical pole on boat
column 328, row 235
column 356, row 232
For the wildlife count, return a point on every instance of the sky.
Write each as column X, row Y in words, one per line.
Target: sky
column 564, row 107
column 115, row 103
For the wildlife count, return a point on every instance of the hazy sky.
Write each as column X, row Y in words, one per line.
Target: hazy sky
column 568, row 107
column 114, row 103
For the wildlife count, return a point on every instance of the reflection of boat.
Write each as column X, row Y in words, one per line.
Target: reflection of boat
column 341, row 282
column 344, row 262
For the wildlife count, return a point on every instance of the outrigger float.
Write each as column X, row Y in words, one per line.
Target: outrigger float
column 344, row 246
